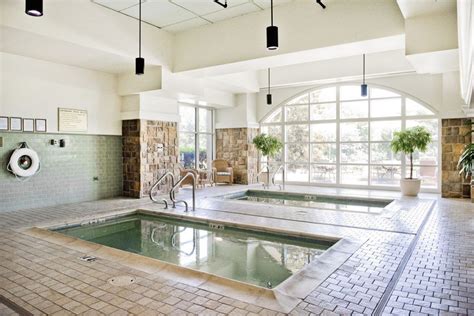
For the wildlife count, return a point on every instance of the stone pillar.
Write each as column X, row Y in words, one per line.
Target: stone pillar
column 143, row 162
column 453, row 140
column 235, row 145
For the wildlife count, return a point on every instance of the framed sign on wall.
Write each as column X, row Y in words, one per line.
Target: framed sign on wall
column 72, row 120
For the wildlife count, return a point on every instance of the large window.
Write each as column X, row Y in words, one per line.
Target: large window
column 334, row 136
column 196, row 136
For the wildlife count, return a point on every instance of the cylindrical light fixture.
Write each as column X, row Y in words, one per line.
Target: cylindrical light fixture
column 272, row 32
column 269, row 95
column 139, row 61
column 139, row 66
column 34, row 7
column 363, row 86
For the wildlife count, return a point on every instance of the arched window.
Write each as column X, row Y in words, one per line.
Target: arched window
column 333, row 136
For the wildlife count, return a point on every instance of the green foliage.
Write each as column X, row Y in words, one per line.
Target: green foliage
column 466, row 161
column 267, row 144
column 410, row 140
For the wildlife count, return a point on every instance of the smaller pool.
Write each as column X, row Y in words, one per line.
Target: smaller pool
column 248, row 256
column 312, row 201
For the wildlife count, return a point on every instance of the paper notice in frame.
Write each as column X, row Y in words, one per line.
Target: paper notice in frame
column 72, row 120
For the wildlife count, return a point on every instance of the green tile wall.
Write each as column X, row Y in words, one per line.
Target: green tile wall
column 66, row 174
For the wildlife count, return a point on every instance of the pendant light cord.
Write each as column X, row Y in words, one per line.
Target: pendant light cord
column 140, row 28
column 363, row 68
column 271, row 9
column 268, row 80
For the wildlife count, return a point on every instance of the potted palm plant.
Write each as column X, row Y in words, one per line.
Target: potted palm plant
column 269, row 146
column 466, row 162
column 408, row 141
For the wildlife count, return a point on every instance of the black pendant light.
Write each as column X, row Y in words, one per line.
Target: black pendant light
column 34, row 7
column 269, row 95
column 139, row 61
column 272, row 32
column 363, row 86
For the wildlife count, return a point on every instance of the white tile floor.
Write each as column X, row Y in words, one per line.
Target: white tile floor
column 418, row 260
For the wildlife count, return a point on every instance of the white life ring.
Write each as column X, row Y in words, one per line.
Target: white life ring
column 24, row 162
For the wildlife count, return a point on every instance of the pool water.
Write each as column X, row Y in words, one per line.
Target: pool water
column 313, row 201
column 252, row 257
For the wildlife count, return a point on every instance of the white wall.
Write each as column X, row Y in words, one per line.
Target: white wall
column 34, row 88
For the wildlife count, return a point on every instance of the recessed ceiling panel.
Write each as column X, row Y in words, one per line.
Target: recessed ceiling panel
column 117, row 5
column 160, row 13
column 266, row 3
column 232, row 12
column 188, row 24
column 202, row 7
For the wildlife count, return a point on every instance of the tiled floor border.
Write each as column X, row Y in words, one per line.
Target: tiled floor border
column 283, row 298
column 401, row 267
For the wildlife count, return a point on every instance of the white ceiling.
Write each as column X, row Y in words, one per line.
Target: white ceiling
column 413, row 8
column 179, row 15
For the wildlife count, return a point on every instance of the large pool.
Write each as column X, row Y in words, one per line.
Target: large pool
column 347, row 204
column 257, row 258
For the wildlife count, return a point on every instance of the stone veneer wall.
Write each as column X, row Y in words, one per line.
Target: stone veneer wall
column 88, row 168
column 142, row 162
column 453, row 140
column 235, row 145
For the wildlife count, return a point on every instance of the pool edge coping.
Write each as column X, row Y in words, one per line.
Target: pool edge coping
column 283, row 298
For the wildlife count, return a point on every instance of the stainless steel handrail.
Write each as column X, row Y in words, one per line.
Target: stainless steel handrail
column 283, row 174
column 261, row 171
column 158, row 182
column 172, row 196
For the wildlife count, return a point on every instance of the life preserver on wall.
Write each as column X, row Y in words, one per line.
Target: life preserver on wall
column 24, row 162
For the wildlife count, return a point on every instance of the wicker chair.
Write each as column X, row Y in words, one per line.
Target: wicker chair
column 189, row 181
column 222, row 172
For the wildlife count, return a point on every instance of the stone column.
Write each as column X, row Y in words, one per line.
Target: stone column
column 453, row 140
column 143, row 160
column 235, row 145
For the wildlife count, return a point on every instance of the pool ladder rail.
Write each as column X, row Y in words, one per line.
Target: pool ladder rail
column 273, row 182
column 174, row 186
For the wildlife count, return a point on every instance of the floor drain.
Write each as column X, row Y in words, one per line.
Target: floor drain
column 122, row 280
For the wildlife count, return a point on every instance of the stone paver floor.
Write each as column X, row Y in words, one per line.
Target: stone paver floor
column 411, row 263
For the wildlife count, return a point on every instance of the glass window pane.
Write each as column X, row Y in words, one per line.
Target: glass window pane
column 323, row 153
column 297, row 152
column 323, row 173
column 430, row 124
column 414, row 108
column 385, row 175
column 323, row 95
column 354, row 175
column 381, row 93
column 355, row 109
column 296, row 113
column 274, row 117
column 297, row 133
column 381, row 153
column 187, row 150
column 273, row 130
column 386, row 107
column 383, row 130
column 205, row 151
column 302, row 99
column 350, row 93
column 297, row 172
column 429, row 157
column 323, row 111
column 355, row 152
column 187, row 118
column 427, row 174
column 205, row 120
column 354, row 131
column 323, row 132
